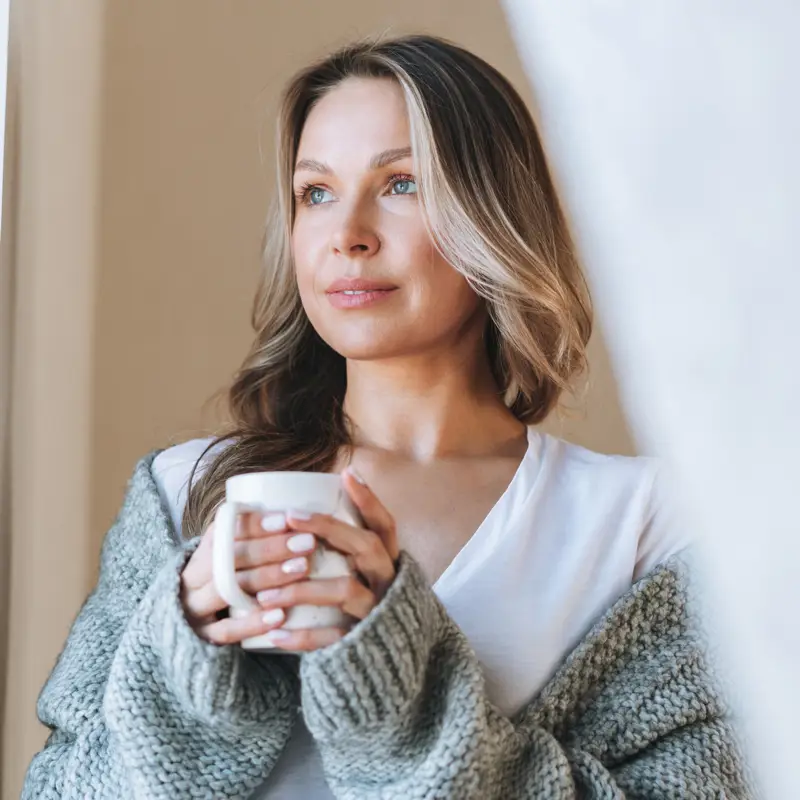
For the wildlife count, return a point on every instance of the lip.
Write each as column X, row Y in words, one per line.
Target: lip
column 371, row 292
column 359, row 285
column 366, row 298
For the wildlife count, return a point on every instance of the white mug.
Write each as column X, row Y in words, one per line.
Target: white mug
column 263, row 492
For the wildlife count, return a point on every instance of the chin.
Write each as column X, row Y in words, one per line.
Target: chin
column 366, row 352
column 365, row 349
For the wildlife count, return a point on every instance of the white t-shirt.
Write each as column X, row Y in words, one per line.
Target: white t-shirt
column 571, row 533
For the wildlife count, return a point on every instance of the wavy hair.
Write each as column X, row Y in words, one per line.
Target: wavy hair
column 491, row 209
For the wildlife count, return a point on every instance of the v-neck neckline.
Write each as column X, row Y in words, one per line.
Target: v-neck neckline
column 467, row 558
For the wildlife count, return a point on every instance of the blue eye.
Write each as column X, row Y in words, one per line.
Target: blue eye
column 316, row 195
column 404, row 186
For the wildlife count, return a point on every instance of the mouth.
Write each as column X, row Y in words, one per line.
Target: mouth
column 359, row 298
column 354, row 285
column 358, row 292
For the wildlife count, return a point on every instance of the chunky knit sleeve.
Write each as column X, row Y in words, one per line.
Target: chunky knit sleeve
column 398, row 708
column 137, row 704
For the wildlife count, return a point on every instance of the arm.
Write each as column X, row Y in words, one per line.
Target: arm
column 138, row 705
column 398, row 708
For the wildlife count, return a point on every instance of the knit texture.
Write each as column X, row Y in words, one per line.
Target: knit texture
column 398, row 707
column 140, row 706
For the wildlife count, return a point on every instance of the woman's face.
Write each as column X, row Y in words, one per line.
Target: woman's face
column 370, row 279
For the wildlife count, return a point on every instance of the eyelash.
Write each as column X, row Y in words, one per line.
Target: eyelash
column 302, row 194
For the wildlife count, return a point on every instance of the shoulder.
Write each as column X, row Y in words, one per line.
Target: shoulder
column 630, row 497
column 179, row 455
column 172, row 469
column 579, row 467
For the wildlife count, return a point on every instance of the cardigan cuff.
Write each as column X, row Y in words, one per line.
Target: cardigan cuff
column 371, row 675
column 213, row 683
column 202, row 675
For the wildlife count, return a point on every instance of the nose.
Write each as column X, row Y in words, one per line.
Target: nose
column 355, row 236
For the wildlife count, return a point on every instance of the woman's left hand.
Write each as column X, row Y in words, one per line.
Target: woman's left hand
column 373, row 551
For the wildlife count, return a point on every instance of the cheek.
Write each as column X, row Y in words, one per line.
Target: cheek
column 304, row 248
column 420, row 261
column 442, row 290
column 438, row 295
column 451, row 300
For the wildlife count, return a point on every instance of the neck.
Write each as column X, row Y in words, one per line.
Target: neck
column 429, row 406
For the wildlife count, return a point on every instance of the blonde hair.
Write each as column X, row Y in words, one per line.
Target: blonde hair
column 491, row 209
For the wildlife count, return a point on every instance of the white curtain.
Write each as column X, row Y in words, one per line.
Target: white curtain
column 674, row 130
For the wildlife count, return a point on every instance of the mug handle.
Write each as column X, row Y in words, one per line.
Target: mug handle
column 223, row 563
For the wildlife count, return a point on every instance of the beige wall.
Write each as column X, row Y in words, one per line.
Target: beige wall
column 51, row 227
column 163, row 262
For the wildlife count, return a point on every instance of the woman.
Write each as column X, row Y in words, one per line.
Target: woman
column 421, row 310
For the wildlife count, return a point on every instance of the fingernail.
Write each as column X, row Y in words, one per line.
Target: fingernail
column 295, row 565
column 358, row 478
column 300, row 515
column 266, row 595
column 273, row 617
column 273, row 522
column 278, row 635
column 301, row 543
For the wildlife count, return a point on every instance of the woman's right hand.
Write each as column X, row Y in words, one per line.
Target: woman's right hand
column 266, row 555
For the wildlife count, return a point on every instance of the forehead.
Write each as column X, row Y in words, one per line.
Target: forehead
column 355, row 120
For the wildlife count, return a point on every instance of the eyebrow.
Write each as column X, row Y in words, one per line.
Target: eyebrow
column 376, row 162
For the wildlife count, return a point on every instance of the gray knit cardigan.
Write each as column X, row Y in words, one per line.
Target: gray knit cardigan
column 140, row 707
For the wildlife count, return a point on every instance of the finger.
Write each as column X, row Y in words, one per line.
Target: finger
column 249, row 525
column 373, row 512
column 250, row 553
column 256, row 524
column 202, row 602
column 200, row 597
column 346, row 592
column 195, row 573
column 306, row 639
column 205, row 600
column 365, row 547
column 253, row 581
column 233, row 629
